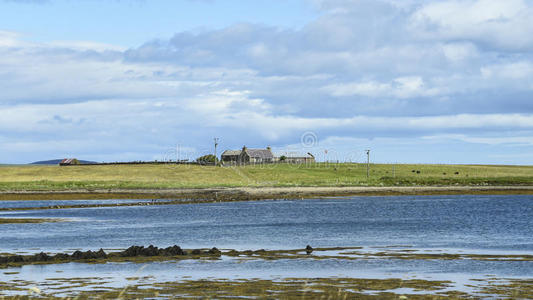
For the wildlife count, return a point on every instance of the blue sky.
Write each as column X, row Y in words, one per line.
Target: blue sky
column 415, row 81
column 130, row 23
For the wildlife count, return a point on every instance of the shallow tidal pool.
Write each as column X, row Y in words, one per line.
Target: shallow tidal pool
column 411, row 245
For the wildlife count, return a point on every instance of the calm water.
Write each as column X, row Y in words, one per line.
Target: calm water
column 437, row 224
column 502, row 223
column 48, row 203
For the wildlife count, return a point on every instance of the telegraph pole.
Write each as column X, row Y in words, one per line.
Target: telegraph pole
column 367, row 164
column 216, row 144
column 178, row 153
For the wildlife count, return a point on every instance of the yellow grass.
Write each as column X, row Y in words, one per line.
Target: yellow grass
column 193, row 176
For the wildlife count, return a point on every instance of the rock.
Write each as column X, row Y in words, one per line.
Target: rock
column 15, row 258
column 83, row 255
column 214, row 251
column 61, row 256
column 77, row 255
column 132, row 251
column 41, row 257
column 89, row 255
column 101, row 254
column 151, row 251
column 175, row 250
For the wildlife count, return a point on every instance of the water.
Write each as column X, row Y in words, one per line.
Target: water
column 48, row 203
column 453, row 222
column 434, row 224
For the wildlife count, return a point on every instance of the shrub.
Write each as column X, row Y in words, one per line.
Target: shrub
column 210, row 158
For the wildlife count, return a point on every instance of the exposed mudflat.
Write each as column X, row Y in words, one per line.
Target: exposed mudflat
column 259, row 193
column 27, row 220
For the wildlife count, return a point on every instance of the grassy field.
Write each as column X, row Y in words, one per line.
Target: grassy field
column 36, row 178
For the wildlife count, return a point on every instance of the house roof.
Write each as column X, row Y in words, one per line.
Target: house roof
column 68, row 161
column 231, row 152
column 260, row 153
column 257, row 153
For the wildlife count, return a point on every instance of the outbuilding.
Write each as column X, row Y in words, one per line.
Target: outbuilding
column 296, row 158
column 69, row 162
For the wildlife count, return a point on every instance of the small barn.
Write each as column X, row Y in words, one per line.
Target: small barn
column 69, row 162
column 297, row 158
column 230, row 157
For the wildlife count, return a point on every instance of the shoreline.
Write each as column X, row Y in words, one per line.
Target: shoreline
column 262, row 193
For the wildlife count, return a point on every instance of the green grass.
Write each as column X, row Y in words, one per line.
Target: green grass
column 45, row 178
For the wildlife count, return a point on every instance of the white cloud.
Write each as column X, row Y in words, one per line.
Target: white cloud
column 368, row 88
column 488, row 140
column 515, row 71
column 9, row 39
column 458, row 52
column 369, row 70
column 86, row 46
column 401, row 87
column 501, row 24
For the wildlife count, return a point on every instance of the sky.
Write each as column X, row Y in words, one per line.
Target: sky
column 414, row 81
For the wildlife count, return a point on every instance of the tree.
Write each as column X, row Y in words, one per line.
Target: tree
column 207, row 159
column 283, row 158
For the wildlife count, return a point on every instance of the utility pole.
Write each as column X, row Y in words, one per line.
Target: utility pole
column 178, row 153
column 367, row 164
column 216, row 144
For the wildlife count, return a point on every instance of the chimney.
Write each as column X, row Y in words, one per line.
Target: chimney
column 244, row 148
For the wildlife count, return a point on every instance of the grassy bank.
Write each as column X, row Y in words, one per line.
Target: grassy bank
column 48, row 178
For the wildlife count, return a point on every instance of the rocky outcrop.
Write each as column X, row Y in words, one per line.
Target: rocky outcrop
column 133, row 251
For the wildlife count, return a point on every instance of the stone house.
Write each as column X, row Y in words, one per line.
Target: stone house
column 248, row 156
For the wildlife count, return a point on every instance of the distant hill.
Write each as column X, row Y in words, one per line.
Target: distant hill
column 57, row 161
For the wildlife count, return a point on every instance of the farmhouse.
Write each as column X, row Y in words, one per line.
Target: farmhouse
column 248, row 156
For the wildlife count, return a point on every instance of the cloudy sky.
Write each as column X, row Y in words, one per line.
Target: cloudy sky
column 414, row 81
